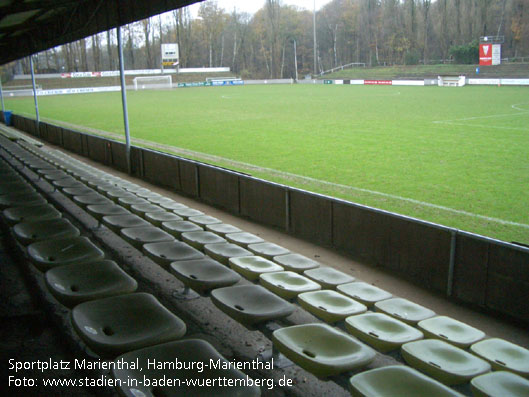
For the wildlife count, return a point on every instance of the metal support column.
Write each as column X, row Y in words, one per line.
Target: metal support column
column 2, row 97
column 37, row 120
column 124, row 98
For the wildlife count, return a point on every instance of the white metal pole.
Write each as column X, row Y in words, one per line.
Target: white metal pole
column 296, row 60
column 34, row 94
column 124, row 98
column 315, row 52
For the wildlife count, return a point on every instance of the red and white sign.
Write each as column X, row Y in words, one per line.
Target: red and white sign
column 489, row 54
column 378, row 82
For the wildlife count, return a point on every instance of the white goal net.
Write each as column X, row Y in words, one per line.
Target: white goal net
column 152, row 82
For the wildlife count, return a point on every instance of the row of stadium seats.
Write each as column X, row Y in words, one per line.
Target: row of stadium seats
column 210, row 257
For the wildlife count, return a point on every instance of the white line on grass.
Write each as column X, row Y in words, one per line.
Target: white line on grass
column 490, row 116
column 298, row 178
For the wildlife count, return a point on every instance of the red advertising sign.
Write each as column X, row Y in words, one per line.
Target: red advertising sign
column 378, row 82
column 485, row 54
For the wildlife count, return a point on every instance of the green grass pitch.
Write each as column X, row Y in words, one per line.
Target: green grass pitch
column 454, row 156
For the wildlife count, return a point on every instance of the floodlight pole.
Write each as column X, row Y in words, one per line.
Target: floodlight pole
column 37, row 121
column 315, row 52
column 124, row 98
column 296, row 60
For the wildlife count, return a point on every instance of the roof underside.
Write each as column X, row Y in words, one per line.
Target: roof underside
column 30, row 26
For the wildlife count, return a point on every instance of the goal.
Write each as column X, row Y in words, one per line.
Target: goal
column 152, row 82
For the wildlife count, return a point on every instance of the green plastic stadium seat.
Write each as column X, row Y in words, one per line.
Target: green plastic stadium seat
column 204, row 220
column 116, row 193
column 68, row 181
column 328, row 277
column 199, row 239
column 16, row 188
column 503, row 355
column 127, row 202
column 250, row 304
column 381, row 331
column 146, row 194
column 204, row 274
column 442, row 361
column 166, row 252
column 321, row 349
column 363, row 292
column 187, row 213
column 91, row 199
column 74, row 284
column 30, row 232
column 52, row 174
column 243, row 239
column 78, row 191
column 99, row 211
column 142, row 209
column 130, row 187
column 186, row 351
column 404, row 310
column 329, row 305
column 102, row 186
column 224, row 251
column 172, row 205
column 296, row 262
column 21, row 200
column 119, row 324
column 450, row 330
column 287, row 285
column 118, row 222
column 250, row 267
column 158, row 200
column 138, row 236
column 73, row 250
column 157, row 218
column 34, row 213
column 499, row 384
column 268, row 250
column 222, row 229
column 176, row 228
column 397, row 380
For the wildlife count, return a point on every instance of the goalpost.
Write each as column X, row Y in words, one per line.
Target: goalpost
column 152, row 82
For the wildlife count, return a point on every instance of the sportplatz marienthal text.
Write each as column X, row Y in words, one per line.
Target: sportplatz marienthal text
column 149, row 365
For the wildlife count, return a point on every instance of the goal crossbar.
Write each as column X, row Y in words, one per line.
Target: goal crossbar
column 152, row 82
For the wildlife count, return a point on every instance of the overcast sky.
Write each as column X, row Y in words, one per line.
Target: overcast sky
column 251, row 6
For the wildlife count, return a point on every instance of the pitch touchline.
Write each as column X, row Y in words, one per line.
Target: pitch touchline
column 302, row 179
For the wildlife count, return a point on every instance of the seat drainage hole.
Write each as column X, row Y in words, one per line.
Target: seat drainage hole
column 193, row 276
column 74, row 288
column 51, row 258
column 501, row 362
column 434, row 364
column 322, row 308
column 34, row 236
column 239, row 308
column 443, row 336
column 309, row 353
column 163, row 256
column 108, row 331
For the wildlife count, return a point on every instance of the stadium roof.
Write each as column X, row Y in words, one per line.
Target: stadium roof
column 30, row 26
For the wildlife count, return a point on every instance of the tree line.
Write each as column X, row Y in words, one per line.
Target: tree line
column 278, row 41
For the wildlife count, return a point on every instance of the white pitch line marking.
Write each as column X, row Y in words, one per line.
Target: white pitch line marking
column 500, row 115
